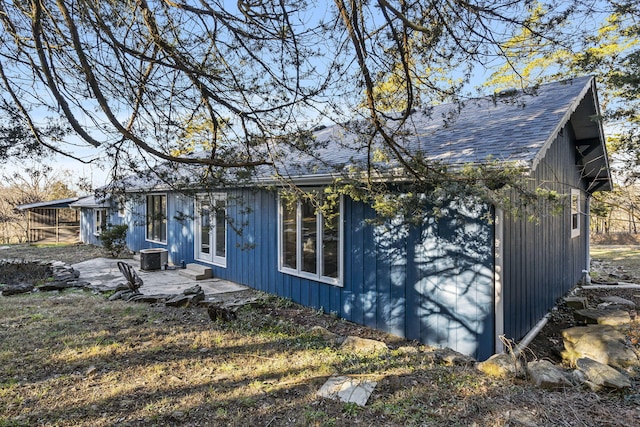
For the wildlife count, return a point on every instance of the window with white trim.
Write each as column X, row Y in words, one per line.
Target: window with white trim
column 575, row 212
column 310, row 240
column 99, row 221
column 121, row 207
column 157, row 218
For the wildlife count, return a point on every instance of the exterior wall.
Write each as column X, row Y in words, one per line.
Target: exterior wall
column 432, row 283
column 180, row 211
column 87, row 224
column 542, row 262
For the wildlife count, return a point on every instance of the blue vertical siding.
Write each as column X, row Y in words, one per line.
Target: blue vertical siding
column 87, row 223
column 541, row 260
column 432, row 283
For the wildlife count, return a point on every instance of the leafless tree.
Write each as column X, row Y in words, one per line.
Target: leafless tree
column 137, row 79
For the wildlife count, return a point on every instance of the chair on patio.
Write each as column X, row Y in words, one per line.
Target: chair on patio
column 133, row 280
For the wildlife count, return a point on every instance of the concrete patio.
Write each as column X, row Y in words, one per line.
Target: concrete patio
column 103, row 273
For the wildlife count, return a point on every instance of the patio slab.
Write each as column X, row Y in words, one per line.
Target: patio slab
column 103, row 273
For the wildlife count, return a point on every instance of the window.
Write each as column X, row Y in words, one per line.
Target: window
column 575, row 213
column 310, row 240
column 121, row 207
column 157, row 218
column 99, row 221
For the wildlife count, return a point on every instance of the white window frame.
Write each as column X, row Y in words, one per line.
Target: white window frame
column 98, row 216
column 574, row 217
column 336, row 281
column 146, row 218
column 215, row 259
column 121, row 207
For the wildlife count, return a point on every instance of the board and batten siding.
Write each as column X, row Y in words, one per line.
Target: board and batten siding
column 180, row 210
column 432, row 283
column 87, row 224
column 542, row 262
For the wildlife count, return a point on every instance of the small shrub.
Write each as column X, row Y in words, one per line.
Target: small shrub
column 114, row 239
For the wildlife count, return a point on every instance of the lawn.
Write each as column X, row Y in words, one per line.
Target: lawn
column 623, row 261
column 76, row 359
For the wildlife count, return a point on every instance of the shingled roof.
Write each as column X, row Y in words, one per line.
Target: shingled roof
column 516, row 127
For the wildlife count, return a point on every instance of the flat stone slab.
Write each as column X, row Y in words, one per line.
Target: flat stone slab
column 103, row 274
column 601, row 375
column 347, row 389
column 616, row 301
column 576, row 303
column 602, row 317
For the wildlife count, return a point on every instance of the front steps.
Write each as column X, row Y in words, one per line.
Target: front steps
column 196, row 272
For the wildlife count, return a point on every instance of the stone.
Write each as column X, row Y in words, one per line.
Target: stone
column 55, row 285
column 184, row 300
column 125, row 294
column 363, row 345
column 618, row 301
column 151, row 299
column 348, row 390
column 453, row 358
column 600, row 375
column 319, row 331
column 65, row 276
column 21, row 288
column 219, row 312
column 576, row 303
column 602, row 343
column 545, row 374
column 500, row 365
column 194, row 290
column 602, row 317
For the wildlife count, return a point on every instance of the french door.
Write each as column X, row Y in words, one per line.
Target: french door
column 211, row 229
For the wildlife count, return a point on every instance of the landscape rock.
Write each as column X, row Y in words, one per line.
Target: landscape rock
column 219, row 312
column 324, row 333
column 600, row 375
column 151, row 299
column 500, row 365
column 619, row 302
column 602, row 317
column 125, row 294
column 21, row 288
column 347, row 389
column 452, row 357
column 602, row 343
column 185, row 300
column 55, row 285
column 545, row 374
column 576, row 303
column 363, row 345
column 194, row 290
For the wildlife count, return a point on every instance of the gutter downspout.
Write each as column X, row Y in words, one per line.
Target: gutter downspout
column 587, row 241
column 498, row 282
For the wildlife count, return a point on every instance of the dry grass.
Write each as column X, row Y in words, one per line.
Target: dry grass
column 75, row 359
column 619, row 262
column 68, row 253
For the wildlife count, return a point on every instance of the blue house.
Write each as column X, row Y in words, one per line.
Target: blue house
column 461, row 280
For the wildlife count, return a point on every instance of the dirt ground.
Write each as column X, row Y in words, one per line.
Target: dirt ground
column 75, row 359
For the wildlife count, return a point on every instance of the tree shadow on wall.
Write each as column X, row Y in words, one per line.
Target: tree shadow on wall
column 436, row 284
